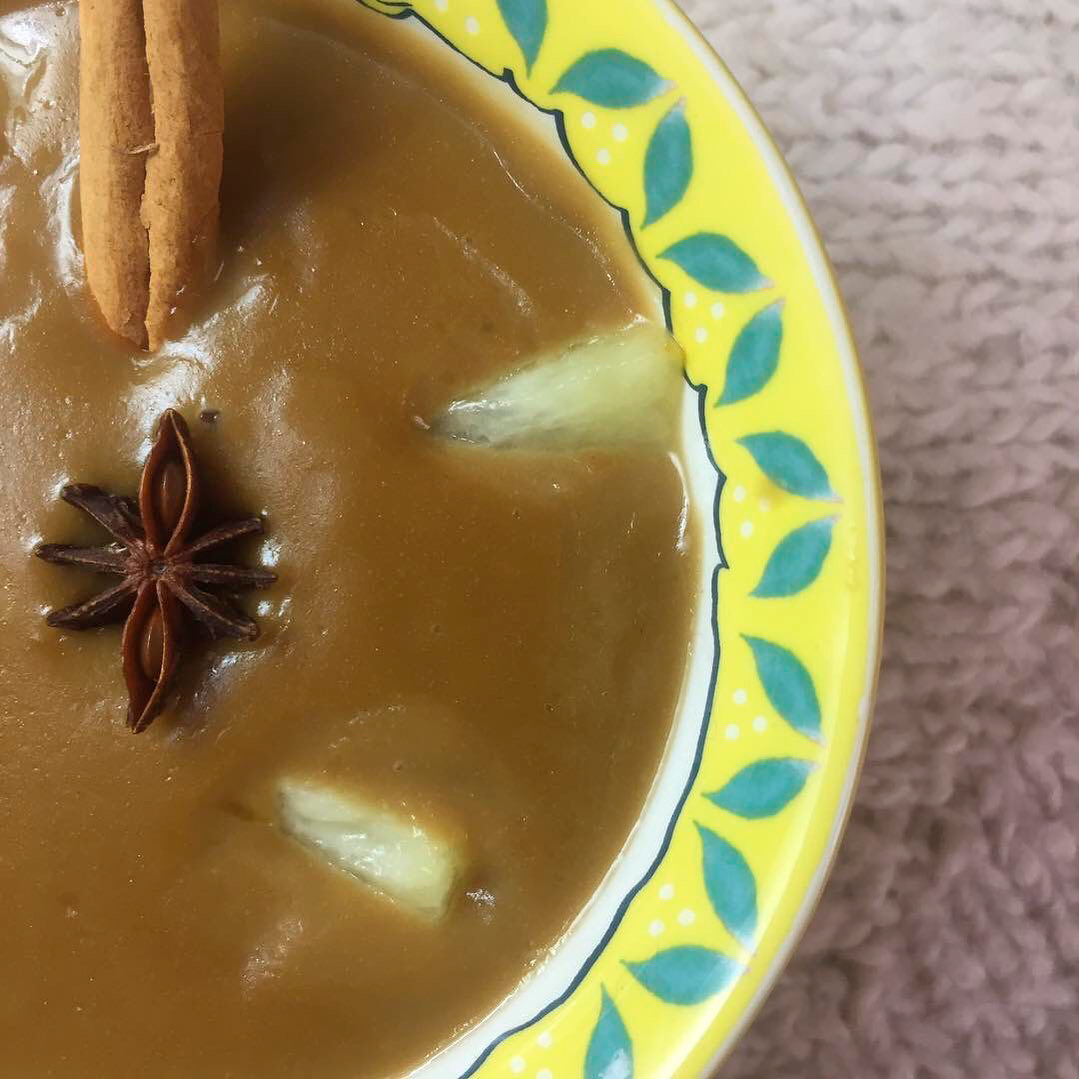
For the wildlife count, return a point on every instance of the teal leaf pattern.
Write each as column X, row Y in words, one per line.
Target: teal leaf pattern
column 685, row 975
column 717, row 263
column 613, row 79
column 796, row 563
column 789, row 463
column 668, row 164
column 763, row 788
column 788, row 686
column 730, row 884
column 526, row 21
column 610, row 1051
column 755, row 355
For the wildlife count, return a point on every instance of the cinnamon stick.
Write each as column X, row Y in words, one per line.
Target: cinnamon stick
column 151, row 123
column 183, row 175
column 114, row 121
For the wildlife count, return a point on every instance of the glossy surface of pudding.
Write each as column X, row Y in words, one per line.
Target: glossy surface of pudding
column 492, row 640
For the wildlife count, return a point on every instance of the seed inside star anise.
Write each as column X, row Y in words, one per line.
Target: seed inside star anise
column 164, row 586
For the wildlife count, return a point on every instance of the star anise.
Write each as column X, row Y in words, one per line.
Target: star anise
column 163, row 585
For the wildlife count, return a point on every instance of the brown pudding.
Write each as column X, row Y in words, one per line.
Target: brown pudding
column 494, row 640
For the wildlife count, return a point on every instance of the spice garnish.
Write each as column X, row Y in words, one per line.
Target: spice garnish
column 151, row 116
column 162, row 584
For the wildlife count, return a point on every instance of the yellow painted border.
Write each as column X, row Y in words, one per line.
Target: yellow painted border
column 631, row 85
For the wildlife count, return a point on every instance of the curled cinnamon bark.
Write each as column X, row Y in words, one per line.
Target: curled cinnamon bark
column 151, row 123
column 183, row 175
column 115, row 120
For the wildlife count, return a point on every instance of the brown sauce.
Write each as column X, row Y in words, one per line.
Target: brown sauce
column 494, row 640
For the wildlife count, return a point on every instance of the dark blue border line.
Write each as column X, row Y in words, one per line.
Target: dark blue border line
column 558, row 117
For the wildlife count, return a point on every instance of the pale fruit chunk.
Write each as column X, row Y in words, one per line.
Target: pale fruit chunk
column 616, row 389
column 388, row 851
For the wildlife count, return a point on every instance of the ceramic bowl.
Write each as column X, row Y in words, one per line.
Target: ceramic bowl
column 693, row 923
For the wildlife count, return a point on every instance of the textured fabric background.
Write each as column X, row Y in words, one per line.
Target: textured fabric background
column 937, row 142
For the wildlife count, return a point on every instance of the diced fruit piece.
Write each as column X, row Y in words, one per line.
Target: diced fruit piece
column 620, row 388
column 388, row 851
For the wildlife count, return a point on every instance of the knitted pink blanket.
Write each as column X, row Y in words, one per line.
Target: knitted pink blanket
column 937, row 142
